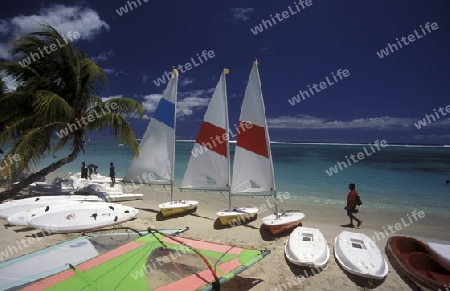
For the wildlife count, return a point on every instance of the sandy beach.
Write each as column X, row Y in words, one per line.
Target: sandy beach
column 273, row 271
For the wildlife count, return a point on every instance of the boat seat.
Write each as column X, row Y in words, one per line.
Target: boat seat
column 429, row 267
column 405, row 245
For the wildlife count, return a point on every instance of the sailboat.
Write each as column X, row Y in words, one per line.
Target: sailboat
column 253, row 167
column 209, row 164
column 156, row 161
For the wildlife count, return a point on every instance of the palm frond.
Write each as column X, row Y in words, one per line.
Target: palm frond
column 119, row 126
column 50, row 107
column 124, row 106
column 30, row 148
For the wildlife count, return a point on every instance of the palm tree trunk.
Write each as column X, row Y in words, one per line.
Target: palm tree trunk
column 16, row 188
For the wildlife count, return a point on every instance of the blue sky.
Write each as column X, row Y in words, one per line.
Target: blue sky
column 382, row 98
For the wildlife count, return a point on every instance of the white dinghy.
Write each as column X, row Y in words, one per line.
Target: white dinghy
column 113, row 194
column 16, row 206
column 359, row 255
column 307, row 247
column 83, row 217
column 21, row 218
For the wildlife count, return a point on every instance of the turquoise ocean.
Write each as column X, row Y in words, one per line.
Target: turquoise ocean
column 394, row 177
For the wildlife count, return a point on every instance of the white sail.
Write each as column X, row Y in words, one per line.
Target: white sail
column 253, row 168
column 156, row 151
column 208, row 167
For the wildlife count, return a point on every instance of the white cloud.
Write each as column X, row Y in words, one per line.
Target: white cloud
column 311, row 122
column 3, row 27
column 187, row 103
column 4, row 54
column 104, row 99
column 63, row 18
column 185, row 81
column 10, row 84
column 114, row 72
column 103, row 56
column 240, row 13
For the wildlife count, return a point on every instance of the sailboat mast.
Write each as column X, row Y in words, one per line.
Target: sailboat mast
column 172, row 174
column 225, row 96
column 274, row 191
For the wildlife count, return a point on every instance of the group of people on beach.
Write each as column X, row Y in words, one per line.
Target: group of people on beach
column 92, row 168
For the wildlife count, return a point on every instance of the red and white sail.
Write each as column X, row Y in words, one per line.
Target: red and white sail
column 208, row 166
column 253, row 168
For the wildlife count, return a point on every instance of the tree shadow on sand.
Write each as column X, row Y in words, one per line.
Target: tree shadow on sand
column 241, row 284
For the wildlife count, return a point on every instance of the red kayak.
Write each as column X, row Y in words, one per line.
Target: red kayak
column 418, row 262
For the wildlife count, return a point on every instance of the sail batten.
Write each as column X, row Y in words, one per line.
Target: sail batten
column 208, row 167
column 253, row 167
column 155, row 164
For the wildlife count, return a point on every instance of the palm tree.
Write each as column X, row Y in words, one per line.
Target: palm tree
column 55, row 92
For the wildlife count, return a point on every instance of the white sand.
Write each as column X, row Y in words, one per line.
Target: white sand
column 274, row 270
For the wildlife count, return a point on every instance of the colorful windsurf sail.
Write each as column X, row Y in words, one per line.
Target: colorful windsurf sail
column 156, row 262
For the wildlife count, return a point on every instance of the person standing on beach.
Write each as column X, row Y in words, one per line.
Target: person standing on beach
column 112, row 174
column 92, row 168
column 351, row 205
column 84, row 171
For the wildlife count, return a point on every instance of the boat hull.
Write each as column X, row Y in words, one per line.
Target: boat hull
column 177, row 207
column 285, row 222
column 83, row 217
column 123, row 197
column 359, row 255
column 307, row 247
column 417, row 261
column 236, row 216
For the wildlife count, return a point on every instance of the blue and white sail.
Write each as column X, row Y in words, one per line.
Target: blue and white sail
column 155, row 164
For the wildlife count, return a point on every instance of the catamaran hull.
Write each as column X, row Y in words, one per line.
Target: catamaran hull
column 285, row 222
column 177, row 207
column 236, row 216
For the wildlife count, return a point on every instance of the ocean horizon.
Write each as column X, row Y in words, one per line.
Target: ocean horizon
column 396, row 177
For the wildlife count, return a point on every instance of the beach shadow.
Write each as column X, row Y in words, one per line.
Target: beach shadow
column 204, row 217
column 42, row 233
column 218, row 225
column 160, row 217
column 365, row 283
column 239, row 283
column 23, row 229
column 304, row 271
column 148, row 210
